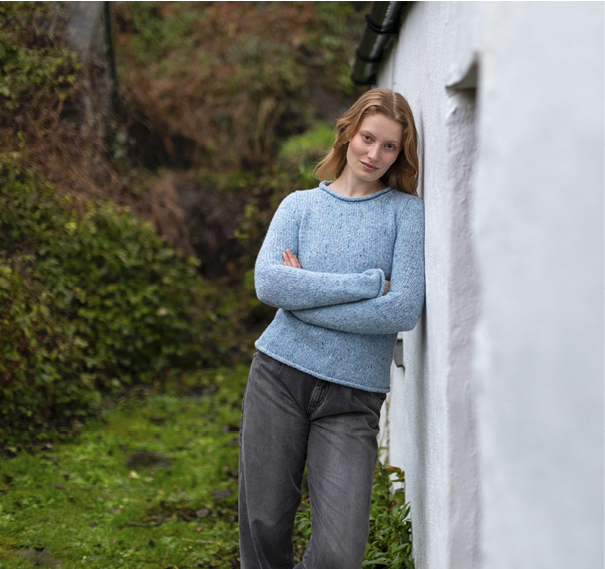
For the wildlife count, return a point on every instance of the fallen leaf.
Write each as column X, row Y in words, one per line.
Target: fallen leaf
column 66, row 474
column 221, row 493
column 137, row 524
column 202, row 513
column 198, row 528
column 133, row 474
column 114, row 510
column 60, row 486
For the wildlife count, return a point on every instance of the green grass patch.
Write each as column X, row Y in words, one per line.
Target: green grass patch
column 152, row 484
column 99, row 502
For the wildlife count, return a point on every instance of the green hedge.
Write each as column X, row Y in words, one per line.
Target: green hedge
column 90, row 299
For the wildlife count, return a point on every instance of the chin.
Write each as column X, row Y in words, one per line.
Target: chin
column 368, row 177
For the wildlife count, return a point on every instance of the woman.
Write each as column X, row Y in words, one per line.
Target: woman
column 344, row 264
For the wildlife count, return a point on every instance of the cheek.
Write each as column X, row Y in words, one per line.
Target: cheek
column 391, row 159
column 356, row 147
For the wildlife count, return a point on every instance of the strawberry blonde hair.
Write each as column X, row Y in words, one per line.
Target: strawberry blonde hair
column 403, row 174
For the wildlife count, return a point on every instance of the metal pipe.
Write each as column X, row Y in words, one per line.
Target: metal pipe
column 381, row 28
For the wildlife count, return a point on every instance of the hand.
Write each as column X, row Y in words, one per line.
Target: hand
column 387, row 287
column 290, row 260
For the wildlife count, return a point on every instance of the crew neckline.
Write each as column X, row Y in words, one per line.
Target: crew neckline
column 325, row 186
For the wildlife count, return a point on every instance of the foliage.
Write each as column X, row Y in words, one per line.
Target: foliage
column 90, row 298
column 61, row 112
column 223, row 83
column 313, row 143
column 31, row 56
column 93, row 301
column 390, row 540
column 96, row 502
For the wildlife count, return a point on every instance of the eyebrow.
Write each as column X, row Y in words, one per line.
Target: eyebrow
column 366, row 131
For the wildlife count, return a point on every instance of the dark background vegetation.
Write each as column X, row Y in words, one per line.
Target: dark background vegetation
column 131, row 213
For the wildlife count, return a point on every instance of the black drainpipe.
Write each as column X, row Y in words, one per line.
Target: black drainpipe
column 382, row 26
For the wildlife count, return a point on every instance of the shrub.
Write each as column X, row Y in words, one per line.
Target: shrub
column 91, row 299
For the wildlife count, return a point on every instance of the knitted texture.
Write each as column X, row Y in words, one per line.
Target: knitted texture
column 334, row 322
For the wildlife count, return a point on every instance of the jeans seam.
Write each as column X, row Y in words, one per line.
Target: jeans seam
column 324, row 387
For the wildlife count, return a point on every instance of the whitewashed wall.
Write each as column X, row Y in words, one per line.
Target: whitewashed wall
column 498, row 419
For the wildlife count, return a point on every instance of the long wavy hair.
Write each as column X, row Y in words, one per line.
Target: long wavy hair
column 403, row 173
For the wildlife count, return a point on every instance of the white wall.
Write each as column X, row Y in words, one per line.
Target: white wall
column 498, row 420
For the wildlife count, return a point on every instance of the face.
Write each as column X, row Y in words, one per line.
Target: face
column 374, row 147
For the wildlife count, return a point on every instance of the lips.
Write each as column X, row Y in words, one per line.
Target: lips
column 368, row 167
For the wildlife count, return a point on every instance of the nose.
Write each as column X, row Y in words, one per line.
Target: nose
column 374, row 152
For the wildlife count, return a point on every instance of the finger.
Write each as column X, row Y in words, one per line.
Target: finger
column 294, row 260
column 291, row 258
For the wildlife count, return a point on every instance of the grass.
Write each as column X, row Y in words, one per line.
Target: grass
column 152, row 484
column 93, row 502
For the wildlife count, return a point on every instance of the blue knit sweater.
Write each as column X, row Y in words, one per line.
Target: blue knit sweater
column 333, row 320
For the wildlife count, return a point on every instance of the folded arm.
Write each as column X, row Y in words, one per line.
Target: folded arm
column 396, row 311
column 293, row 288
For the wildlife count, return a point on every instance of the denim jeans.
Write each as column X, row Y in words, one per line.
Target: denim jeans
column 289, row 417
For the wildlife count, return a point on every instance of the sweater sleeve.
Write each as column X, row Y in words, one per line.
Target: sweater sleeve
column 296, row 289
column 396, row 311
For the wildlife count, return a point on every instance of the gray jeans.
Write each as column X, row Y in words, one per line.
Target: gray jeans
column 289, row 417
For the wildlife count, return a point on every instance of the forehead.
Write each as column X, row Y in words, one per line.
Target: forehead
column 382, row 127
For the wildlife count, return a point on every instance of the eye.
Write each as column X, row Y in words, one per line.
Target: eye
column 366, row 137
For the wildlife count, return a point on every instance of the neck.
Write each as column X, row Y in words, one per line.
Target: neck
column 352, row 187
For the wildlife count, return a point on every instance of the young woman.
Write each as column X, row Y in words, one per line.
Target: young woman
column 344, row 264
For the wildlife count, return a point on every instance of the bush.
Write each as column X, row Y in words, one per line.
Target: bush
column 91, row 299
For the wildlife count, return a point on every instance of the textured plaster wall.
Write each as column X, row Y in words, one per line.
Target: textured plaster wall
column 436, row 50
column 498, row 419
column 540, row 246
